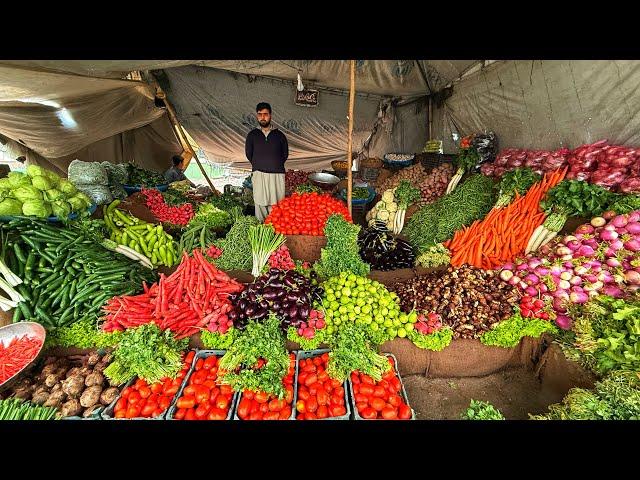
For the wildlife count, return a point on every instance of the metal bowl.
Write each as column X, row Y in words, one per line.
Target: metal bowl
column 324, row 180
column 9, row 332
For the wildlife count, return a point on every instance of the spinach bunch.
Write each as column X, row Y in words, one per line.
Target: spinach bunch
column 578, row 198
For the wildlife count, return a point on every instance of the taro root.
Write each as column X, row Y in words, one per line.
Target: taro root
column 41, row 397
column 73, row 386
column 23, row 392
column 84, row 371
column 73, row 371
column 52, row 379
column 95, row 378
column 100, row 366
column 71, row 408
column 93, row 359
column 56, row 387
column 48, row 369
column 109, row 395
column 55, row 399
column 91, row 396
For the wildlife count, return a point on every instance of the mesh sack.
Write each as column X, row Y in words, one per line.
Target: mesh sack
column 117, row 174
column 99, row 194
column 87, row 173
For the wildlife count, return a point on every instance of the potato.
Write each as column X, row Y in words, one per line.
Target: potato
column 93, row 359
column 40, row 397
column 91, row 396
column 90, row 411
column 73, row 386
column 71, row 408
column 100, row 366
column 52, row 379
column 109, row 395
column 55, row 399
column 73, row 371
column 95, row 378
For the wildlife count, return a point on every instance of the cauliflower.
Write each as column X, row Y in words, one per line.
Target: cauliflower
column 382, row 215
column 392, row 207
column 387, row 196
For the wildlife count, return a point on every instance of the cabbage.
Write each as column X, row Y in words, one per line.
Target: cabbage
column 35, row 171
column 10, row 206
column 78, row 202
column 27, row 193
column 36, row 208
column 19, row 179
column 68, row 188
column 53, row 194
column 5, row 184
column 41, row 182
column 54, row 178
column 61, row 209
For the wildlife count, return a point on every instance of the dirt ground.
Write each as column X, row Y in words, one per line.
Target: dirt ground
column 515, row 392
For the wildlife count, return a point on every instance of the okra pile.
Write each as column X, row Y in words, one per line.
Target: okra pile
column 66, row 276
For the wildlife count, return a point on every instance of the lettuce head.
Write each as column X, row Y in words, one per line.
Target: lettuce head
column 61, row 208
column 68, row 188
column 19, row 179
column 35, row 171
column 10, row 206
column 41, row 182
column 27, row 193
column 36, row 208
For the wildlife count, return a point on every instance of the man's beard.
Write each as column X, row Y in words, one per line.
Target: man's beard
column 264, row 123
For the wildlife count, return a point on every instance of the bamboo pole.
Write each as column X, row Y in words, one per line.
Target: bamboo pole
column 350, row 142
column 182, row 137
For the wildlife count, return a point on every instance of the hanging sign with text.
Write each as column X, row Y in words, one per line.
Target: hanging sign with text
column 307, row 98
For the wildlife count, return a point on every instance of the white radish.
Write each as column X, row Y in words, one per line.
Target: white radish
column 533, row 238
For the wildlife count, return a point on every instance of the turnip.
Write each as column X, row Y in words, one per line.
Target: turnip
column 564, row 322
column 506, row 275
column 578, row 297
column 563, row 250
column 609, row 214
column 585, row 251
column 608, row 235
column 566, row 275
column 633, row 228
column 596, row 222
column 612, row 291
column 632, row 277
column 632, row 245
column 634, row 216
column 620, row 221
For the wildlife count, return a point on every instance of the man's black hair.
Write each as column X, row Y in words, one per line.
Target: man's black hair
column 262, row 106
column 176, row 160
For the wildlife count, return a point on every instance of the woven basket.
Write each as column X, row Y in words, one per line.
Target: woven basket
column 372, row 162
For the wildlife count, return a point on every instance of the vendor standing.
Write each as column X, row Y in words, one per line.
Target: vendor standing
column 267, row 149
column 176, row 172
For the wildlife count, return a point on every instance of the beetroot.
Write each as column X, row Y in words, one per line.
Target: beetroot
column 630, row 185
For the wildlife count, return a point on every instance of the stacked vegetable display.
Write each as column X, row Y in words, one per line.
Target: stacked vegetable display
column 146, row 178
column 146, row 239
column 177, row 215
column 293, row 179
column 467, row 299
column 601, row 258
column 66, row 275
column 194, row 297
column 286, row 293
column 235, row 246
column 305, row 214
column 40, row 193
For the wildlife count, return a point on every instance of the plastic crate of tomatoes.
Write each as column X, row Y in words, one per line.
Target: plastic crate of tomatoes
column 264, row 406
column 383, row 400
column 318, row 396
column 141, row 401
column 202, row 396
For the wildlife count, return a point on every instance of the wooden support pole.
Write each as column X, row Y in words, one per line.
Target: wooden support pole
column 352, row 98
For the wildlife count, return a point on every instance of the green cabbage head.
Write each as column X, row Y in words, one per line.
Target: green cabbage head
column 54, row 178
column 5, row 184
column 41, row 182
column 78, row 202
column 19, row 179
column 68, row 188
column 53, row 194
column 35, row 171
column 10, row 206
column 61, row 209
column 36, row 208
column 27, row 193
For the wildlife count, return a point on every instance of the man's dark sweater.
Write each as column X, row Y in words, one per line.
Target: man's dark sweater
column 267, row 154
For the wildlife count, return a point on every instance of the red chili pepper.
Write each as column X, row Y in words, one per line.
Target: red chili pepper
column 19, row 352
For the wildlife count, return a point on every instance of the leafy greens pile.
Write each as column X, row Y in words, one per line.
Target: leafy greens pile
column 479, row 410
column 508, row 333
column 518, row 180
column 342, row 251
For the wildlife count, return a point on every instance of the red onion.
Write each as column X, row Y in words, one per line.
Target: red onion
column 586, row 228
column 586, row 251
column 567, row 257
column 622, row 231
column 596, row 222
column 612, row 291
column 610, row 227
column 568, row 265
column 609, row 252
column 633, row 228
column 620, row 221
column 632, row 245
column 609, row 214
column 563, row 322
column 542, row 271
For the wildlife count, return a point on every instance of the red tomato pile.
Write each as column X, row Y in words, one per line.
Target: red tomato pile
column 142, row 400
column 204, row 398
column 180, row 215
column 263, row 406
column 305, row 214
column 318, row 395
column 379, row 400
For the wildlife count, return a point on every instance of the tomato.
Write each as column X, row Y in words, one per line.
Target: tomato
column 300, row 416
column 179, row 415
column 368, row 413
column 132, row 412
column 226, row 389
column 395, row 400
column 359, row 398
column 389, row 375
column 356, row 389
column 355, row 379
column 335, row 383
column 404, row 412
column 244, row 408
column 389, row 413
column 202, row 394
column 309, row 368
column 378, row 391
column 198, row 377
column 366, row 389
column 276, row 405
column 285, row 413
column 171, row 391
column 190, row 390
column 361, row 406
column 322, row 376
column 126, row 392
column 156, row 387
column 248, row 394
column 181, row 374
column 395, row 382
column 157, row 412
column 189, row 357
column 210, row 384
column 339, row 391
column 337, row 410
column 314, row 387
column 121, row 404
column 186, row 402
column 325, row 357
column 121, row 414
column 367, row 379
column 311, row 405
column 271, row 416
column 264, row 407
column 190, row 415
column 255, row 406
column 210, row 362
column 261, row 397
column 255, row 416
column 213, row 394
column 311, row 416
column 317, row 361
column 222, row 402
column 289, row 395
column 288, row 380
column 301, row 406
column 139, row 384
column 310, row 380
column 147, row 410
column 377, row 404
column 323, row 397
column 134, row 398
column 213, row 373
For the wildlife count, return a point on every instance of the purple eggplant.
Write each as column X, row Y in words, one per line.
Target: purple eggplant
column 250, row 310
column 293, row 297
column 303, row 312
column 276, row 305
column 293, row 312
column 264, row 304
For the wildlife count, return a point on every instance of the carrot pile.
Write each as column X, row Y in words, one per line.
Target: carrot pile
column 503, row 234
column 192, row 298
column 19, row 352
